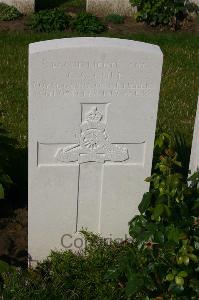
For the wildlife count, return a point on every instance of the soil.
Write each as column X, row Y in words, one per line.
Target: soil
column 13, row 233
column 130, row 26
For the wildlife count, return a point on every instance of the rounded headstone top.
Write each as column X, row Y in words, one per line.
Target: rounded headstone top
column 93, row 42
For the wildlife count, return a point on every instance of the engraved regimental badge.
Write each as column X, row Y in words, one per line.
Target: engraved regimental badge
column 94, row 143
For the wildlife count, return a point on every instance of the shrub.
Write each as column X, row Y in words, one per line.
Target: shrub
column 49, row 20
column 88, row 23
column 115, row 19
column 8, row 13
column 160, row 12
column 163, row 264
column 65, row 275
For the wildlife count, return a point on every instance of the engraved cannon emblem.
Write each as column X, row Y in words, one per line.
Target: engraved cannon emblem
column 94, row 143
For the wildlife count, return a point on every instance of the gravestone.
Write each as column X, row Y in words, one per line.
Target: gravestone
column 24, row 6
column 194, row 158
column 195, row 2
column 107, row 7
column 92, row 118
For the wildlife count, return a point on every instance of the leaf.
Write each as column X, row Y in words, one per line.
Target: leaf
column 134, row 284
column 6, row 179
column 179, row 280
column 182, row 274
column 145, row 203
column 193, row 257
column 158, row 211
column 159, row 237
column 186, row 260
column 173, row 234
column 4, row 267
column 196, row 245
column 2, row 195
column 170, row 277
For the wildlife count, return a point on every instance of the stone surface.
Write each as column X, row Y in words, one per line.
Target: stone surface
column 194, row 158
column 24, row 6
column 195, row 2
column 106, row 7
column 92, row 117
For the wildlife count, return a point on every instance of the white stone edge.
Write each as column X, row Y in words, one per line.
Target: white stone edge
column 57, row 44
column 193, row 165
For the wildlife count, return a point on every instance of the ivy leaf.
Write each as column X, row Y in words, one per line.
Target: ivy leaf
column 170, row 277
column 179, row 280
column 193, row 257
column 173, row 234
column 158, row 211
column 145, row 203
column 182, row 274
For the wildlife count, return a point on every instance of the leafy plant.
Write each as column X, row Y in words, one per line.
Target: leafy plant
column 160, row 12
column 8, row 13
column 115, row 19
column 163, row 261
column 49, row 20
column 88, row 23
column 65, row 275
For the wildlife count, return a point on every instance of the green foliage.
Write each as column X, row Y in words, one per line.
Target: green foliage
column 163, row 262
column 88, row 23
column 8, row 13
column 115, row 19
column 160, row 12
column 49, row 20
column 65, row 275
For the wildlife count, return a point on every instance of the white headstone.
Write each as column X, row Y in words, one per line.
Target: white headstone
column 92, row 118
column 195, row 2
column 24, row 6
column 194, row 159
column 107, row 7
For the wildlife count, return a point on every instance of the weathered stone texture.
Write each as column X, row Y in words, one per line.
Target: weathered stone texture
column 24, row 6
column 106, row 7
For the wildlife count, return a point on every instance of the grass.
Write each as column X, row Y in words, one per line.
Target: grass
column 178, row 97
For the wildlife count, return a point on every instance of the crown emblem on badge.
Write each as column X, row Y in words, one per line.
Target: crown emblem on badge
column 94, row 115
column 94, row 143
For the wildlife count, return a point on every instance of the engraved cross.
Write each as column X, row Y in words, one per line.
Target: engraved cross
column 92, row 152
